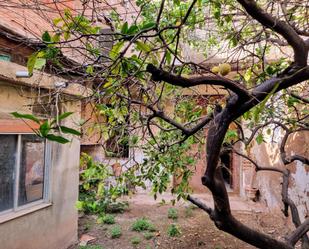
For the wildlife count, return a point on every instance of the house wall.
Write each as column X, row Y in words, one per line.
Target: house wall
column 55, row 226
column 269, row 183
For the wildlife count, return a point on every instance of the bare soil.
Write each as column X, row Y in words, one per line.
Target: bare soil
column 197, row 230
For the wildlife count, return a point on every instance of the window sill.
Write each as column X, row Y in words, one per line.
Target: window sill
column 27, row 210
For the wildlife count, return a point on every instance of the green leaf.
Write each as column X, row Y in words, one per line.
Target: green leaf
column 67, row 13
column 26, row 116
column 57, row 139
column 124, row 28
column 89, row 70
column 44, row 129
column 79, row 205
column 64, row 115
column 41, row 54
column 168, row 57
column 66, row 35
column 262, row 105
column 291, row 101
column 149, row 25
column 46, row 37
column 68, row 130
column 259, row 139
column 57, row 20
column 56, row 38
column 39, row 63
column 142, row 46
column 248, row 75
column 31, row 62
column 61, row 117
column 132, row 30
column 116, row 49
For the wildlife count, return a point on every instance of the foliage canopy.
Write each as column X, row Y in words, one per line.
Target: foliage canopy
column 161, row 48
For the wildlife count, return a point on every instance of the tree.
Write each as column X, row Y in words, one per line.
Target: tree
column 147, row 67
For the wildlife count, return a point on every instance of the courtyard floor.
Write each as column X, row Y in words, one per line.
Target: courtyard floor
column 197, row 230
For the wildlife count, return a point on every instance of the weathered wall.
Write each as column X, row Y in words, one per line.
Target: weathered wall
column 269, row 183
column 55, row 226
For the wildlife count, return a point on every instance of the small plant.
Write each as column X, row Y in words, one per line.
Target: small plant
column 117, row 207
column 173, row 230
column 143, row 224
column 135, row 241
column 189, row 212
column 88, row 225
column 106, row 219
column 148, row 235
column 172, row 213
column 91, row 247
column 115, row 232
column 148, row 247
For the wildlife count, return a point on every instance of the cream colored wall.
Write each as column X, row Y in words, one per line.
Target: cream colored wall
column 269, row 183
column 54, row 227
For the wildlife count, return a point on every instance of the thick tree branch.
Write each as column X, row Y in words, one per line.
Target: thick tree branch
column 299, row 232
column 160, row 114
column 159, row 74
column 261, row 91
column 281, row 27
column 199, row 204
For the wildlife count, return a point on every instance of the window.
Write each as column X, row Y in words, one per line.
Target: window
column 23, row 171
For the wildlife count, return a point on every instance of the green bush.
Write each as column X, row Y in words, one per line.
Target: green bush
column 173, row 231
column 106, row 219
column 90, row 247
column 94, row 195
column 135, row 241
column 143, row 224
column 148, row 235
column 172, row 213
column 115, row 232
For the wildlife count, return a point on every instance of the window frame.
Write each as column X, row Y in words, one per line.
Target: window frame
column 46, row 199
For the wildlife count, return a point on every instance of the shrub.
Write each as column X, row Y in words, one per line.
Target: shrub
column 143, row 224
column 148, row 235
column 189, row 211
column 94, row 195
column 135, row 241
column 115, row 232
column 106, row 219
column 172, row 213
column 173, row 230
column 117, row 207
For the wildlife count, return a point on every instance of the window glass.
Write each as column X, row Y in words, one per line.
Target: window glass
column 8, row 145
column 31, row 180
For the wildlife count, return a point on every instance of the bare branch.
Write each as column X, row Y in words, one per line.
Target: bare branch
column 199, row 204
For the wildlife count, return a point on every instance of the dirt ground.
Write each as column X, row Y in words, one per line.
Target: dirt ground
column 197, row 230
